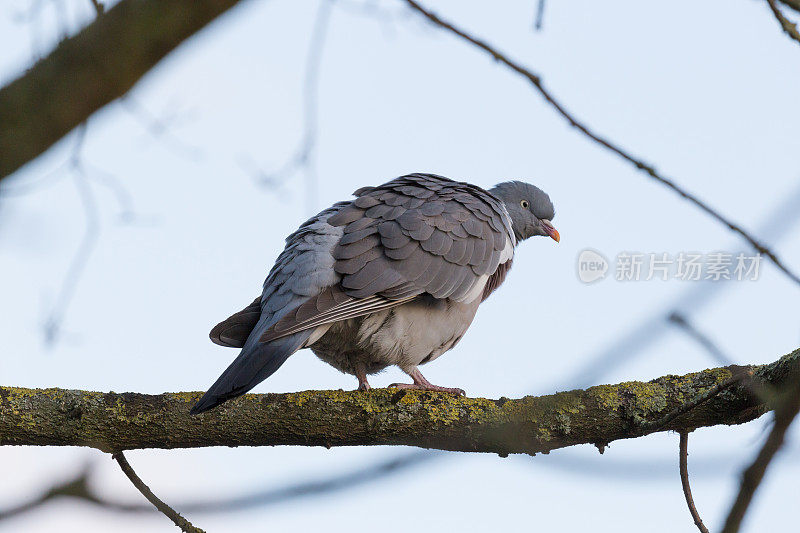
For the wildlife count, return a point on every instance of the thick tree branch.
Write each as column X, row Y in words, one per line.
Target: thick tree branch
column 91, row 69
column 112, row 422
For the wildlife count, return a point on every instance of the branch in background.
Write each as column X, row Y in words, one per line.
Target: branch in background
column 160, row 127
column 789, row 28
column 113, row 422
column 539, row 21
column 79, row 488
column 159, row 504
column 780, row 220
column 683, row 456
column 765, row 393
column 76, row 487
column 99, row 8
column 794, row 4
column 786, row 411
column 303, row 157
column 81, row 172
column 84, row 73
column 536, row 81
column 703, row 340
column 91, row 234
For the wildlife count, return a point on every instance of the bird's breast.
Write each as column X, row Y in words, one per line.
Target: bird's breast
column 407, row 335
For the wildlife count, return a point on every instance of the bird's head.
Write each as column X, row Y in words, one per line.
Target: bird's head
column 529, row 207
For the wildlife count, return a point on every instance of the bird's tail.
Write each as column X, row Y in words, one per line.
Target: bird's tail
column 256, row 362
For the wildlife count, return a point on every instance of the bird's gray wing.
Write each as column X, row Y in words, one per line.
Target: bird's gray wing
column 416, row 234
column 234, row 330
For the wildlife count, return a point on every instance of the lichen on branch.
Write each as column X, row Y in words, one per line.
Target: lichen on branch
column 113, row 422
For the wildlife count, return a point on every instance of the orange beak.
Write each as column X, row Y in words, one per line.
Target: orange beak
column 551, row 231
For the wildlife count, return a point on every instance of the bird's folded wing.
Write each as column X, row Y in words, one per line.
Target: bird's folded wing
column 332, row 305
column 418, row 234
column 234, row 330
column 421, row 234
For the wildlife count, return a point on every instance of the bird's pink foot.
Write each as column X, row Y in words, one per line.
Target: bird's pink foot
column 420, row 383
column 361, row 374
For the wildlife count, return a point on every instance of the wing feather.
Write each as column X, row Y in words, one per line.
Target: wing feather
column 418, row 234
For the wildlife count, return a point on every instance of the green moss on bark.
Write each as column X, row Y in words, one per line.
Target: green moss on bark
column 601, row 414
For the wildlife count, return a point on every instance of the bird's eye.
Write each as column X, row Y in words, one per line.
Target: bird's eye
column 524, row 204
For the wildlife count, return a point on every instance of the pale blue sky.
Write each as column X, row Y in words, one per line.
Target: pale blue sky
column 706, row 91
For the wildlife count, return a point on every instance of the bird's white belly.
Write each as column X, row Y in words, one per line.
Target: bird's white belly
column 406, row 336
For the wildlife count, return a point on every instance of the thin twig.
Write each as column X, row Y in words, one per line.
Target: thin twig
column 179, row 521
column 760, row 390
column 161, row 128
column 537, row 25
column 98, row 6
column 536, row 80
column 785, row 413
column 779, row 222
column 703, row 340
column 76, row 487
column 789, row 28
column 303, row 156
column 52, row 324
column 80, row 489
column 687, row 490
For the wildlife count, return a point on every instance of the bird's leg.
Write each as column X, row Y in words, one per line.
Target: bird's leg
column 420, row 383
column 361, row 374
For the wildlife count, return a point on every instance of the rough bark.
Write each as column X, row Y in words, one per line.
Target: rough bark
column 91, row 69
column 112, row 422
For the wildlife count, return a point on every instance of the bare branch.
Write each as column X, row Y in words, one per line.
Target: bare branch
column 77, row 266
column 84, row 73
column 303, row 157
column 794, row 4
column 140, row 485
column 683, row 455
column 76, row 487
column 779, row 222
column 99, row 8
column 786, row 411
column 80, row 489
column 537, row 82
column 789, row 28
column 681, row 321
column 113, row 422
column 765, row 393
column 537, row 24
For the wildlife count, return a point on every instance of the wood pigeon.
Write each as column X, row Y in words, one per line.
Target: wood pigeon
column 393, row 277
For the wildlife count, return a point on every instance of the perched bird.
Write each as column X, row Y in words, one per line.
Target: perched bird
column 393, row 277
